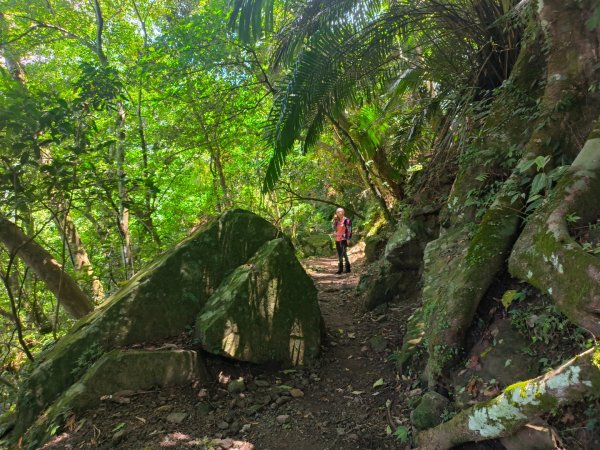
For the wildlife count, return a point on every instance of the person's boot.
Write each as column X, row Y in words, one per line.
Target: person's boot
column 340, row 268
column 347, row 267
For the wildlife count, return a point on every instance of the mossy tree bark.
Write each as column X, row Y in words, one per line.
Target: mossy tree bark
column 463, row 261
column 520, row 402
column 66, row 290
column 549, row 258
column 472, row 263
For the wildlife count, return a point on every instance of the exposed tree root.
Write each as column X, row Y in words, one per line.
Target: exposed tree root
column 463, row 266
column 547, row 257
column 505, row 414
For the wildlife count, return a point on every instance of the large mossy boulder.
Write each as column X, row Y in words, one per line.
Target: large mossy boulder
column 382, row 284
column 118, row 371
column 265, row 311
column 158, row 302
column 430, row 411
column 316, row 245
column 404, row 249
column 374, row 247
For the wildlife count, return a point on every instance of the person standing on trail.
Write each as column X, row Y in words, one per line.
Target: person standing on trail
column 342, row 227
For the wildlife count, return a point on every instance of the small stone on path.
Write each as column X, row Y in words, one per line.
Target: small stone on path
column 284, row 418
column 236, row 386
column 378, row 343
column 176, row 417
column 296, row 393
column 118, row 436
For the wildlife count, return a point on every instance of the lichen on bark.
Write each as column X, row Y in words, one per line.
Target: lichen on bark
column 549, row 258
column 518, row 403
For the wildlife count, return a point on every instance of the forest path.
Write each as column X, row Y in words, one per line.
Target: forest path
column 351, row 399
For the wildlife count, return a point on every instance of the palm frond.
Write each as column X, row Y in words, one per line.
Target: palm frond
column 251, row 17
column 344, row 63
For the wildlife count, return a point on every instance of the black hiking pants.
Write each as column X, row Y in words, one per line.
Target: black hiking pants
column 341, row 247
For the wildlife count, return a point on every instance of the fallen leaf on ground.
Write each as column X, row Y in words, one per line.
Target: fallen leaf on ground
column 378, row 383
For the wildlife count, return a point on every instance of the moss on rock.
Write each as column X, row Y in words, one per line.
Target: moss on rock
column 547, row 257
column 158, row 302
column 518, row 403
column 265, row 311
column 116, row 371
column 429, row 411
column 316, row 245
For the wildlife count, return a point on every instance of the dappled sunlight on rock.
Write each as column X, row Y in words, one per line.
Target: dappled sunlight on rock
column 231, row 338
column 159, row 302
column 264, row 311
column 296, row 344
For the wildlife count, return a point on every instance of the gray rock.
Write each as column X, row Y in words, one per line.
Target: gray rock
column 203, row 408
column 383, row 284
column 532, row 436
column 374, row 247
column 120, row 370
column 236, row 386
column 234, row 427
column 158, row 302
column 223, row 425
column 429, row 411
column 404, row 250
column 118, row 436
column 282, row 400
column 176, row 417
column 378, row 343
column 316, row 245
column 283, row 418
column 262, row 383
column 234, row 324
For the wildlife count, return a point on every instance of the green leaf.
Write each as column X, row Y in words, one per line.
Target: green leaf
column 541, row 162
column 538, row 184
column 378, row 383
column 401, row 434
column 510, row 296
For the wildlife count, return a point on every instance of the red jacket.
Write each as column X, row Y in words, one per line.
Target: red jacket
column 348, row 228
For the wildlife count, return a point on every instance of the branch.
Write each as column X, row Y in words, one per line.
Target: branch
column 99, row 30
column 63, row 31
column 297, row 196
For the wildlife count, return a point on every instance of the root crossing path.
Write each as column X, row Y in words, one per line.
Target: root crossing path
column 351, row 399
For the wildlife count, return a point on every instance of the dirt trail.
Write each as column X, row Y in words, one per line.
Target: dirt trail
column 351, row 399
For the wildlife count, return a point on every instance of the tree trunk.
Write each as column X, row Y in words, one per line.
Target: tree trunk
column 461, row 264
column 123, row 205
column 145, row 216
column 365, row 170
column 519, row 403
column 474, row 263
column 549, row 258
column 79, row 256
column 66, row 290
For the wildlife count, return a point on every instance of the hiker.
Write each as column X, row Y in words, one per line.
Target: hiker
column 342, row 227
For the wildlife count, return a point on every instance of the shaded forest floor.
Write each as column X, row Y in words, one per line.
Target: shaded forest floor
column 351, row 399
